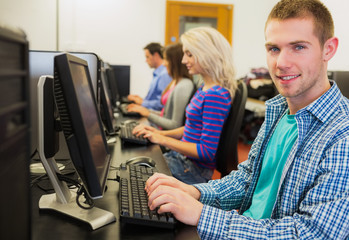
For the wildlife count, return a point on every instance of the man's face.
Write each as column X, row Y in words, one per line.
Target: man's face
column 295, row 60
column 149, row 58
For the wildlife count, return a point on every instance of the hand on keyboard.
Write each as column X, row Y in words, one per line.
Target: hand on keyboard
column 133, row 198
column 168, row 194
column 127, row 136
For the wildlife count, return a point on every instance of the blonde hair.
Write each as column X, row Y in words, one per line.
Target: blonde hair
column 214, row 54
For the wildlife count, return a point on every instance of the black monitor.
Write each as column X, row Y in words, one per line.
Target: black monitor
column 41, row 64
column 105, row 104
column 342, row 80
column 122, row 76
column 113, row 86
column 84, row 135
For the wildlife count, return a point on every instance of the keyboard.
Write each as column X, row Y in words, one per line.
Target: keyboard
column 126, row 113
column 134, row 200
column 127, row 136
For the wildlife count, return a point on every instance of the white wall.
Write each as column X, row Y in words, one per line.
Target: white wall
column 117, row 30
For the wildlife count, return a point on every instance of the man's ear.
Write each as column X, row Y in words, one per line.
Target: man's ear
column 330, row 48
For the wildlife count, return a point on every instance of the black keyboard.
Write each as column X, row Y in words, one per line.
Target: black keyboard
column 126, row 113
column 127, row 136
column 134, row 200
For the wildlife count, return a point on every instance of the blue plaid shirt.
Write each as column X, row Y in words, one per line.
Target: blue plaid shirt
column 313, row 195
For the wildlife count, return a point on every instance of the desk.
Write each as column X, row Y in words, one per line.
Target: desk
column 51, row 225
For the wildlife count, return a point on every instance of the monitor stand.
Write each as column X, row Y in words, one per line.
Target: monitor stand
column 63, row 200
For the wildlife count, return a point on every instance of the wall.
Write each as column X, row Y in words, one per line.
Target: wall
column 117, row 30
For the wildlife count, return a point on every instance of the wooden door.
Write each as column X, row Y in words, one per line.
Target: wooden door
column 181, row 16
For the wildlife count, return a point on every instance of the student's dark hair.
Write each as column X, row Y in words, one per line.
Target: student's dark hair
column 154, row 48
column 176, row 69
column 323, row 22
column 174, row 54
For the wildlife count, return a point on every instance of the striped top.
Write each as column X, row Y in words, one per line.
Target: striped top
column 206, row 114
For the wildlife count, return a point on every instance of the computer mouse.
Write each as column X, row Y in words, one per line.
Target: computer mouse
column 142, row 161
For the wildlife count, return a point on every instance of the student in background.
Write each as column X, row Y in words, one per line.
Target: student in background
column 193, row 147
column 295, row 183
column 153, row 56
column 176, row 95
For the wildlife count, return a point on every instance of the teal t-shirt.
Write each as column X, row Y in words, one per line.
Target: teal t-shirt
column 274, row 160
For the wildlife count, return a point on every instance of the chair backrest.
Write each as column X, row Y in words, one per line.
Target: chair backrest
column 227, row 151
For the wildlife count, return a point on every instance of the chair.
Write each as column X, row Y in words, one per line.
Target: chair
column 227, row 151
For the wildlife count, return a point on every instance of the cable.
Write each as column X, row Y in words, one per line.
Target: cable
column 117, row 179
column 81, row 191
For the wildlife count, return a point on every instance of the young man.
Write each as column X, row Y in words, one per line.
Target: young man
column 295, row 183
column 154, row 58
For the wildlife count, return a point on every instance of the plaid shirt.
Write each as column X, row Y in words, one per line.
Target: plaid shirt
column 313, row 195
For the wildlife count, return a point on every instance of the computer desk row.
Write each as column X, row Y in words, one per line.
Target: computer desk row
column 48, row 224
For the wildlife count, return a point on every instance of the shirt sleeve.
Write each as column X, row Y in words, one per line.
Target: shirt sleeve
column 179, row 99
column 215, row 111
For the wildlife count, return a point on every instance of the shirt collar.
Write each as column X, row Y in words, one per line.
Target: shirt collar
column 322, row 108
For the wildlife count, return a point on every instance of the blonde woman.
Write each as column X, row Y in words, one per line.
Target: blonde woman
column 193, row 147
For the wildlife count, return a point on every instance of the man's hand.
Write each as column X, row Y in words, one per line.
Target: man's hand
column 172, row 195
column 135, row 98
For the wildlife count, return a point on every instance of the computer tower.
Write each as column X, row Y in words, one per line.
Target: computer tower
column 15, row 198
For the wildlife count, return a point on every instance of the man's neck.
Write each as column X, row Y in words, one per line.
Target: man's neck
column 158, row 63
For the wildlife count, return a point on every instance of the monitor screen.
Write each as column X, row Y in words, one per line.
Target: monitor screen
column 113, row 87
column 81, row 123
column 106, row 108
column 122, row 76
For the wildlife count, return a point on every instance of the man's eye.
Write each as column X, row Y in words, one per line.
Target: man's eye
column 273, row 49
column 299, row 47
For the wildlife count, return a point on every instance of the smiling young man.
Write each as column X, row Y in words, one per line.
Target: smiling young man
column 295, row 183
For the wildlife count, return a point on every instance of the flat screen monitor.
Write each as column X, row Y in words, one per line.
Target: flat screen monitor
column 122, row 76
column 113, row 86
column 81, row 123
column 41, row 64
column 105, row 104
column 84, row 135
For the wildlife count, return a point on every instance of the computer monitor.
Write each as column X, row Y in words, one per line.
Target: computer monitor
column 342, row 80
column 41, row 64
column 113, row 86
column 83, row 132
column 122, row 76
column 105, row 105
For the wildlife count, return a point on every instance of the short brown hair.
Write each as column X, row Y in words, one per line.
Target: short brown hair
column 154, row 48
column 323, row 22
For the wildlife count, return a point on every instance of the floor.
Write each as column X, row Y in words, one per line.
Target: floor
column 243, row 150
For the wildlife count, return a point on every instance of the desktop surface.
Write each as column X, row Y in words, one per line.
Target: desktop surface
column 58, row 226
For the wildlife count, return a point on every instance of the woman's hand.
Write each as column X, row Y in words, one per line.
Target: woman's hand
column 141, row 129
column 138, row 108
